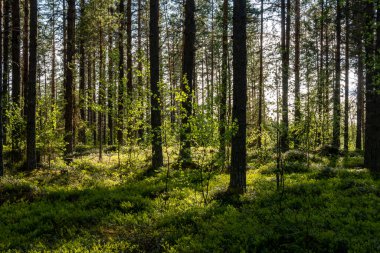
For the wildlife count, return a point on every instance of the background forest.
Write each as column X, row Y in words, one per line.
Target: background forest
column 189, row 126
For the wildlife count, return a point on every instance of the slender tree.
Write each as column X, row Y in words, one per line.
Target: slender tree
column 5, row 82
column 1, row 91
column 31, row 158
column 157, row 158
column 121, row 89
column 187, row 80
column 25, row 45
column 69, row 79
column 239, row 117
column 82, row 80
column 360, row 97
column 336, row 98
column 16, row 45
column 347, row 69
column 261, row 78
column 297, row 97
column 223, row 86
column 285, row 39
column 372, row 127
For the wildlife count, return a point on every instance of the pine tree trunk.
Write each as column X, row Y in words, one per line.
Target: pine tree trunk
column 223, row 87
column 5, row 83
column 154, row 40
column 31, row 157
column 69, row 79
column 25, row 46
column 347, row 69
column 111, row 88
column 297, row 97
column 121, row 89
column 238, row 150
column 360, row 98
column 16, row 46
column 1, row 92
column 82, row 81
column 372, row 129
column 261, row 78
column 187, row 81
column 336, row 99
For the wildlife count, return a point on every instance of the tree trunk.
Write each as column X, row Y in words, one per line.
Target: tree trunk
column 360, row 98
column 187, row 81
column 129, row 55
column 31, row 158
column 16, row 43
column 297, row 97
column 102, row 95
column 347, row 69
column 121, row 89
column 25, row 41
column 372, row 129
column 69, row 79
column 1, row 92
column 82, row 81
column 239, row 110
column 111, row 87
column 223, row 87
column 154, row 41
column 285, row 39
column 336, row 99
column 261, row 78
column 5, row 83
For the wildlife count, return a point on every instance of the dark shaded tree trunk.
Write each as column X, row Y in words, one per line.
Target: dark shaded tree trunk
column 1, row 91
column 53, row 60
column 336, row 99
column 129, row 52
column 347, row 69
column 360, row 98
column 187, row 81
column 261, row 78
column 372, row 129
column 111, row 87
column 239, row 111
column 31, row 156
column 154, row 40
column 82, row 80
column 297, row 96
column 121, row 89
column 285, row 39
column 101, row 96
column 5, row 83
column 69, row 79
column 25, row 46
column 223, row 86
column 16, row 46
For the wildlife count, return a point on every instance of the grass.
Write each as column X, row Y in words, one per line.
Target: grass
column 96, row 206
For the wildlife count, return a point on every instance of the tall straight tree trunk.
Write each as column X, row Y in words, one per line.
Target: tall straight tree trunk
column 187, row 81
column 69, row 79
column 372, row 129
column 223, row 87
column 154, row 41
column 25, row 46
column 102, row 95
column 297, row 96
column 360, row 98
column 347, row 69
column 82, row 80
column 16, row 45
column 261, row 78
column 53, row 59
column 111, row 87
column 129, row 53
column 140, row 55
column 336, row 99
column 31, row 157
column 285, row 39
column 121, row 89
column 5, row 83
column 1, row 92
column 239, row 111
column 321, row 78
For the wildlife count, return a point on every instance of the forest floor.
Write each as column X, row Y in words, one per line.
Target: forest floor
column 96, row 206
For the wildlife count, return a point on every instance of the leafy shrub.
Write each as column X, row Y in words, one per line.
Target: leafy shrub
column 326, row 173
column 295, row 156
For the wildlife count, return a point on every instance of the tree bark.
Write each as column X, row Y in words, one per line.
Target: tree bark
column 223, row 87
column 154, row 40
column 69, row 79
column 25, row 42
column 239, row 111
column 261, row 79
column 336, row 99
column 16, row 46
column 31, row 158
column 372, row 129
column 1, row 92
column 297, row 96
column 187, row 81
column 347, row 69
column 121, row 89
column 360, row 97
column 82, row 80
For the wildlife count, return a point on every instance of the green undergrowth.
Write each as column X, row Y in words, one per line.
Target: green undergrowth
column 94, row 206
